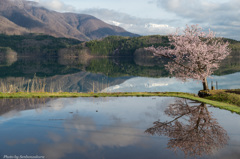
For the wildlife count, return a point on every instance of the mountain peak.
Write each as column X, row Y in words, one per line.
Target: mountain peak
column 21, row 17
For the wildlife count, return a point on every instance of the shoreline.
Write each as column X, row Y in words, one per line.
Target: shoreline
column 221, row 105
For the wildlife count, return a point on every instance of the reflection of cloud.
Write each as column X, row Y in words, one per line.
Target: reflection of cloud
column 142, row 84
column 81, row 124
column 56, row 104
column 54, row 137
column 149, row 85
column 85, row 135
column 117, row 135
column 25, row 141
column 229, row 152
column 60, row 149
column 69, row 144
column 115, row 130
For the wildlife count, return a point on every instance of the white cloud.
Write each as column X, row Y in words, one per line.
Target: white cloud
column 159, row 28
column 115, row 23
column 56, row 5
column 173, row 4
column 222, row 16
column 142, row 26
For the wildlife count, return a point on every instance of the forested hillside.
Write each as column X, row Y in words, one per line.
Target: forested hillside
column 45, row 45
column 124, row 46
column 32, row 44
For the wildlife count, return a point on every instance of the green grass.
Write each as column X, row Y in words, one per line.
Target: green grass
column 213, row 102
column 226, row 96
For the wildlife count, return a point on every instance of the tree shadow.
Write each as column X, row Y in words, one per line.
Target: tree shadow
column 193, row 130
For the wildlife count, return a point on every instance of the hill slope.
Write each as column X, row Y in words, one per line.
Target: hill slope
column 20, row 17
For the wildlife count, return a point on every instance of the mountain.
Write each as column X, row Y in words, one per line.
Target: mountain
column 20, row 17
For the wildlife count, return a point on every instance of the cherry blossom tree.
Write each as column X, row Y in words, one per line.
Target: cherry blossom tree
column 193, row 130
column 195, row 54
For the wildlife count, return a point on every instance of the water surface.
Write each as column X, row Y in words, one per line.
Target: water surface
column 129, row 74
column 117, row 128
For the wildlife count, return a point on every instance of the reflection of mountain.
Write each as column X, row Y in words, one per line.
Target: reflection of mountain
column 145, row 58
column 78, row 82
column 231, row 64
column 88, row 74
column 117, row 67
column 14, row 105
column 46, row 67
column 42, row 67
column 166, row 84
column 139, row 65
column 67, row 74
column 192, row 129
column 82, row 82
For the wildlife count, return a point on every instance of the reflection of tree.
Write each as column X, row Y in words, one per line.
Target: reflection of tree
column 192, row 130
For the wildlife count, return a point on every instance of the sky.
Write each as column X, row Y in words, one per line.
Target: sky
column 151, row 17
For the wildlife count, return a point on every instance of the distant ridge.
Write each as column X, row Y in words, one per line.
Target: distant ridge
column 21, row 17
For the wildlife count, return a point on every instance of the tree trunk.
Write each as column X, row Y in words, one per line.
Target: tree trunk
column 205, row 84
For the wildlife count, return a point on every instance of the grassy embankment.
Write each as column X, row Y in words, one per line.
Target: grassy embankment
column 227, row 96
column 228, row 101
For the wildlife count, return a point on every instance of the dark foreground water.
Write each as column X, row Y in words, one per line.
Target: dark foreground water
column 117, row 128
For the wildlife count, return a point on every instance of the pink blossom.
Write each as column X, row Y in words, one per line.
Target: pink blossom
column 195, row 55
